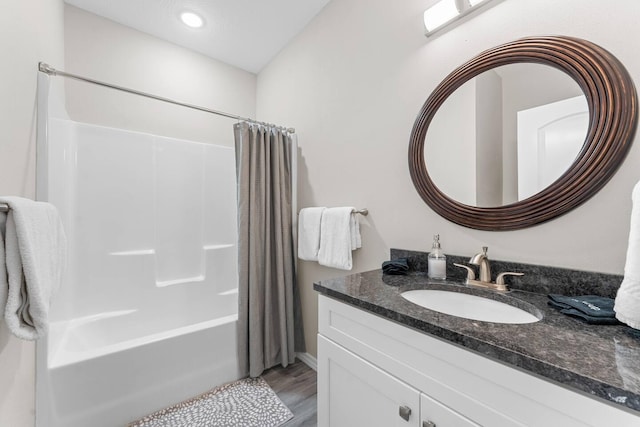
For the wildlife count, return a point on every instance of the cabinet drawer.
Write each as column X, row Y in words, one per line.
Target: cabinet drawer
column 438, row 415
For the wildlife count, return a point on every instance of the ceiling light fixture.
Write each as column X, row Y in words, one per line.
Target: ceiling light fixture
column 191, row 19
column 445, row 12
column 439, row 14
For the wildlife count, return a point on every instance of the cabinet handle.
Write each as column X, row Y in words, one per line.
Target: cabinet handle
column 404, row 412
column 428, row 424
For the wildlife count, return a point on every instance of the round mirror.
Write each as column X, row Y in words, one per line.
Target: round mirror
column 523, row 133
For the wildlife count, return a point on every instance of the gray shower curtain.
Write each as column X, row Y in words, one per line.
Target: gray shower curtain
column 268, row 311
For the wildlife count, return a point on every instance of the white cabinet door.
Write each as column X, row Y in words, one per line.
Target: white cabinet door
column 353, row 392
column 435, row 414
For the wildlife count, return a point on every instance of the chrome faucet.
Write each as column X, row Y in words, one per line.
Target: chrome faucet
column 484, row 281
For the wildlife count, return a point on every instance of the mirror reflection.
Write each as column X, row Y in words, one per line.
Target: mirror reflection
column 506, row 134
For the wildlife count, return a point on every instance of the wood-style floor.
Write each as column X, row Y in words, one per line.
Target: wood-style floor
column 296, row 386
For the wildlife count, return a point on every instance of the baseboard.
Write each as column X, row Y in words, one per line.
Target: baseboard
column 308, row 360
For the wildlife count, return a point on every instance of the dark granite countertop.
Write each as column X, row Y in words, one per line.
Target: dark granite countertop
column 602, row 361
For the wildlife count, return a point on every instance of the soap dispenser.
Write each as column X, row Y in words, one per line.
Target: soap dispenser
column 437, row 262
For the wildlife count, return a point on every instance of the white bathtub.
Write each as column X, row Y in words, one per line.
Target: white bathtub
column 146, row 316
column 99, row 335
column 118, row 382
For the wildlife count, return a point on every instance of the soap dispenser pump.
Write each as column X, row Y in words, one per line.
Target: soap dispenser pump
column 437, row 261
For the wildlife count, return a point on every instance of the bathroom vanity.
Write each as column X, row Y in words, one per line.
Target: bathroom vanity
column 384, row 361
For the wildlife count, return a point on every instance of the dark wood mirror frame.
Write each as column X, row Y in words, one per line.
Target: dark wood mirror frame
column 612, row 101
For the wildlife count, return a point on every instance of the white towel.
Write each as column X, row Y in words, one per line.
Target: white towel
column 354, row 230
column 309, row 233
column 627, row 305
column 339, row 235
column 35, row 256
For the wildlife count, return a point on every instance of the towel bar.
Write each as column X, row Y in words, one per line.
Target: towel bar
column 363, row 211
column 4, row 207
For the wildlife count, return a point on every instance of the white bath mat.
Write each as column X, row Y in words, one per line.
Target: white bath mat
column 244, row 403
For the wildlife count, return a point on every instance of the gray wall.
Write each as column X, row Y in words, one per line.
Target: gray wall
column 32, row 31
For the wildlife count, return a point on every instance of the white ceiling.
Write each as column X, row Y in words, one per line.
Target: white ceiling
column 243, row 33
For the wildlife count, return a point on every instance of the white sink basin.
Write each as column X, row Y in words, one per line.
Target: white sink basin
column 469, row 306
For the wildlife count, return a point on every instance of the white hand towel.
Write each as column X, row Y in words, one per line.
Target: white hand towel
column 309, row 233
column 627, row 304
column 35, row 257
column 354, row 230
column 339, row 235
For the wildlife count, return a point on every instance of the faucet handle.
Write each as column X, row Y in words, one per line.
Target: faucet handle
column 471, row 275
column 500, row 278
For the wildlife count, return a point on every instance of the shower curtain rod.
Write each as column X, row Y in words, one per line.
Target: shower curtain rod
column 47, row 69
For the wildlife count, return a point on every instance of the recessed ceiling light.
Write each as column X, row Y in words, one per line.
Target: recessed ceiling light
column 191, row 19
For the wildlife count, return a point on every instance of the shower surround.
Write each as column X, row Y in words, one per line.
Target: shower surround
column 146, row 316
